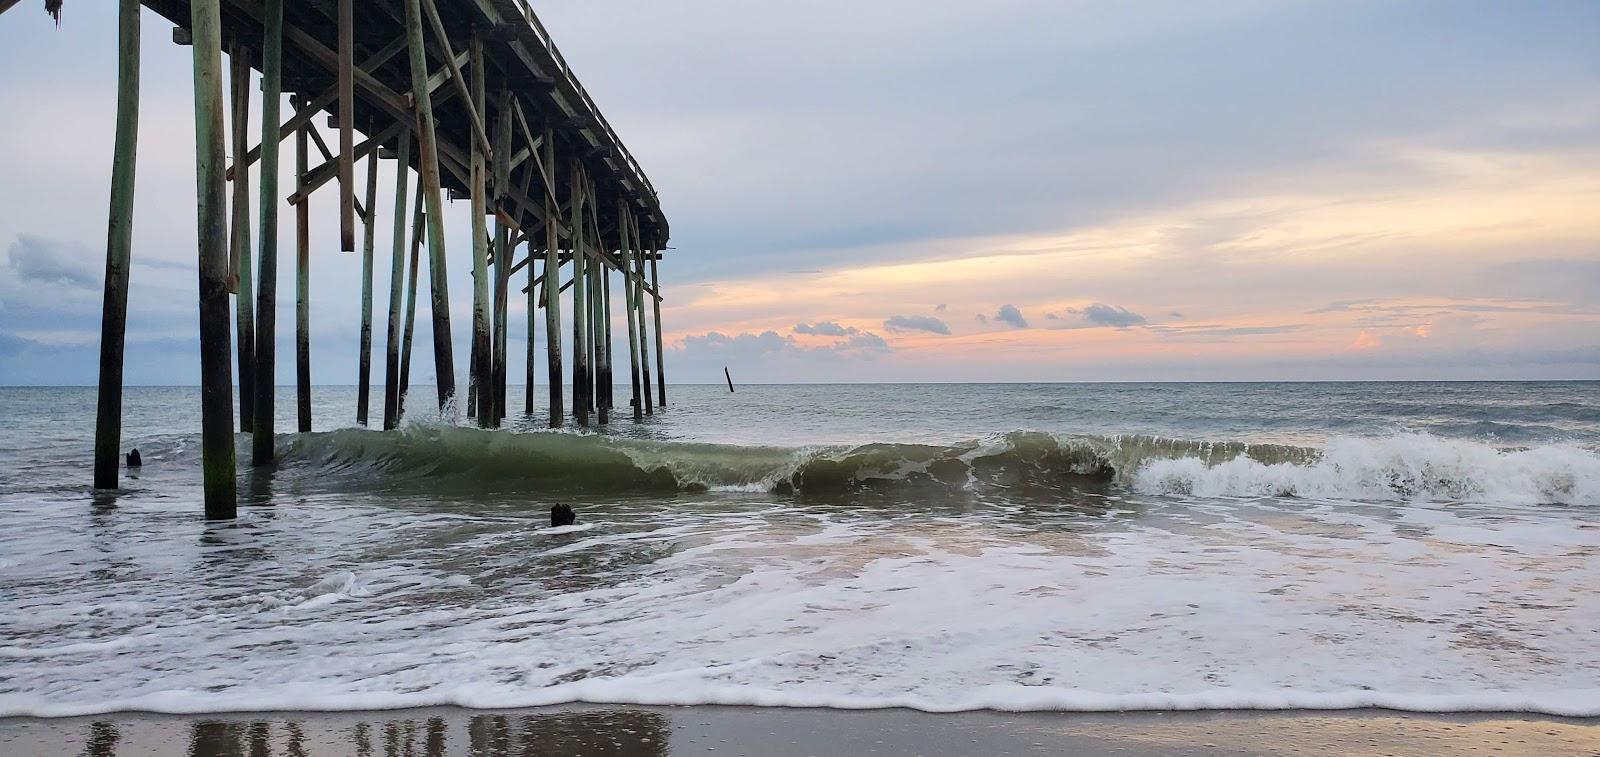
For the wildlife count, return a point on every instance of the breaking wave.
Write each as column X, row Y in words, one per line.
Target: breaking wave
column 1402, row 467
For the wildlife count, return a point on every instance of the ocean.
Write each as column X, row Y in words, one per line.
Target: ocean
column 1026, row 547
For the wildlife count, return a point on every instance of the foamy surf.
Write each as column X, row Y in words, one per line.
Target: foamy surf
column 1252, row 554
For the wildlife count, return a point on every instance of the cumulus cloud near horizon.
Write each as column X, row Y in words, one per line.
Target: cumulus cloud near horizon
column 825, row 328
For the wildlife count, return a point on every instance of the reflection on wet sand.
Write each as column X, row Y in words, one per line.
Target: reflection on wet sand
column 610, row 731
column 605, row 733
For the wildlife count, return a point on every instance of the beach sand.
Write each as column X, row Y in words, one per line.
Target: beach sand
column 779, row 732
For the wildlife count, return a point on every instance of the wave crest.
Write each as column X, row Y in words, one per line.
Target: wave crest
column 1403, row 467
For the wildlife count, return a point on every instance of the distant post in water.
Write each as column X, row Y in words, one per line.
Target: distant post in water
column 216, row 380
column 119, row 251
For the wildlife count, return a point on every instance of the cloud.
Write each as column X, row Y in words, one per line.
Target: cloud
column 1095, row 316
column 1011, row 315
column 754, row 345
column 1222, row 333
column 743, row 343
column 926, row 323
column 43, row 261
column 863, row 343
column 825, row 328
column 940, row 308
column 1113, row 316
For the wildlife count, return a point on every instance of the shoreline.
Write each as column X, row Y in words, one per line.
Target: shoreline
column 655, row 731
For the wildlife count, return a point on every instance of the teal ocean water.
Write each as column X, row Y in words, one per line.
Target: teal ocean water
column 1428, row 546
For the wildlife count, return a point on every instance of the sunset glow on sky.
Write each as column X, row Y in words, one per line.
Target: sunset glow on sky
column 1031, row 191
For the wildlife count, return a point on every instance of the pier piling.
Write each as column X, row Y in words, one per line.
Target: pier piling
column 422, row 97
column 368, row 240
column 482, row 351
column 216, row 379
column 655, row 286
column 552, row 282
column 302, row 285
column 119, row 251
column 266, row 334
column 644, row 340
column 239, row 252
column 397, row 273
column 630, row 289
column 541, row 168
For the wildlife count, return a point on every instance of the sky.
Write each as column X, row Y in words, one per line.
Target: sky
column 1017, row 190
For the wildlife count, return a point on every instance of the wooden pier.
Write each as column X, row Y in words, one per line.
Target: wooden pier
column 472, row 95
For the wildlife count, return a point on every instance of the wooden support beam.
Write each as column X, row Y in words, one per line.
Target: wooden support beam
column 347, row 126
column 444, row 365
column 288, row 128
column 216, row 373
column 262, row 450
column 478, row 131
column 325, row 172
column 482, row 351
column 368, row 241
column 448, row 156
column 397, row 270
column 329, row 160
column 302, row 288
column 119, row 251
column 239, row 252
column 444, row 74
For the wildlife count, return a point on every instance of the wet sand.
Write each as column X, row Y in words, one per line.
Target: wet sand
column 777, row 732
